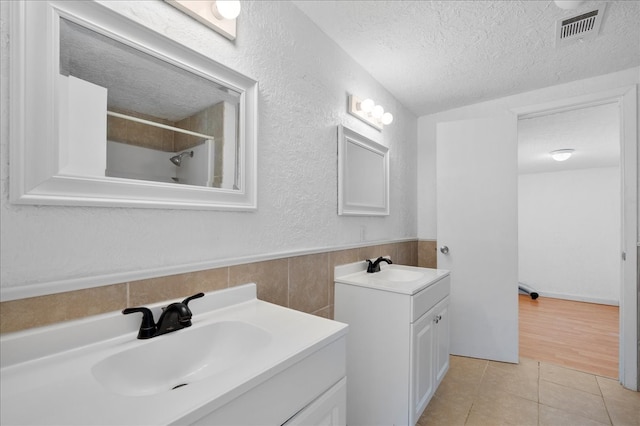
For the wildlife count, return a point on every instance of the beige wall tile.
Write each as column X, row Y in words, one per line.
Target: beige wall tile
column 178, row 286
column 271, row 278
column 311, row 290
column 427, row 254
column 407, row 253
column 389, row 250
column 369, row 252
column 22, row 314
column 309, row 282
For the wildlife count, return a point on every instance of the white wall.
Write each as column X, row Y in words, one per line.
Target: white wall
column 304, row 79
column 569, row 233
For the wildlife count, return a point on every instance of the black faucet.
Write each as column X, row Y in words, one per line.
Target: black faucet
column 375, row 266
column 174, row 317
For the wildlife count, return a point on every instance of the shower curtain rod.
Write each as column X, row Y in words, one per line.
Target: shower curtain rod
column 162, row 126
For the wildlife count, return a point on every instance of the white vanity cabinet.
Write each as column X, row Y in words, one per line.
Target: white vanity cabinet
column 429, row 355
column 398, row 343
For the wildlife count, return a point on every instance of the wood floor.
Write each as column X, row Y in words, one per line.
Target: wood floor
column 578, row 335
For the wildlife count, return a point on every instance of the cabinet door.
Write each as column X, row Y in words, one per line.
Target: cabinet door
column 422, row 371
column 330, row 409
column 442, row 339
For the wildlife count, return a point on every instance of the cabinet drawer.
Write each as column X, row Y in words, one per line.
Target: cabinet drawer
column 427, row 298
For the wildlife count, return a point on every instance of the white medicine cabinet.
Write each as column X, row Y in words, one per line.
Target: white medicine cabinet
column 107, row 112
column 363, row 175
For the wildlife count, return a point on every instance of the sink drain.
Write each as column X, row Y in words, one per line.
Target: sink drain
column 179, row 386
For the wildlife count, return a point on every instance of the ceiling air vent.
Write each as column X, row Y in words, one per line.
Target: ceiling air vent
column 579, row 28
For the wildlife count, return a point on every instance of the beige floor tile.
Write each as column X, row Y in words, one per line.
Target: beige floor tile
column 567, row 377
column 612, row 389
column 517, row 381
column 622, row 413
column 622, row 404
column 550, row 416
column 501, row 408
column 467, row 370
column 525, row 368
column 573, row 400
column 446, row 411
column 456, row 386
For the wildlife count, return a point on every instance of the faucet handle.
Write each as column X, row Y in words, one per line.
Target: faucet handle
column 148, row 325
column 190, row 298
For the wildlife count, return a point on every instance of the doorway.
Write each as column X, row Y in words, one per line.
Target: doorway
column 569, row 232
column 458, row 161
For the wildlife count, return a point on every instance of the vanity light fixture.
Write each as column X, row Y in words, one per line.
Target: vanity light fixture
column 219, row 15
column 226, row 9
column 561, row 154
column 367, row 111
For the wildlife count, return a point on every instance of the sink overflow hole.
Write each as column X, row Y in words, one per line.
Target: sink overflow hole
column 179, row 386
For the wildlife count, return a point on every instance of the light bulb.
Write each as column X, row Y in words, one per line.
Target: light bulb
column 561, row 154
column 387, row 118
column 367, row 105
column 226, row 9
column 378, row 111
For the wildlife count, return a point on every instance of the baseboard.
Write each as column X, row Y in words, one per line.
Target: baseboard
column 579, row 298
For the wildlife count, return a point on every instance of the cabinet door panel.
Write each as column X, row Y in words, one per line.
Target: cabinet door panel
column 422, row 378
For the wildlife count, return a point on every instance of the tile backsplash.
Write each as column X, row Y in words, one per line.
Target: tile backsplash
column 304, row 283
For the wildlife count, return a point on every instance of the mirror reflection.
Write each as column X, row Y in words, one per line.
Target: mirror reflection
column 152, row 120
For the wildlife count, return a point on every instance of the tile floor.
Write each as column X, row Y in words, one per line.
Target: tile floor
column 480, row 392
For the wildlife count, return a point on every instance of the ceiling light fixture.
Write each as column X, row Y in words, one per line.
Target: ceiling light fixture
column 219, row 15
column 561, row 154
column 367, row 111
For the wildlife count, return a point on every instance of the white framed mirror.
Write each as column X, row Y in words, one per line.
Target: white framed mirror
column 363, row 175
column 106, row 112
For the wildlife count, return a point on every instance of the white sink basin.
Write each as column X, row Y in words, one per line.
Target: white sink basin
column 177, row 359
column 394, row 278
column 393, row 273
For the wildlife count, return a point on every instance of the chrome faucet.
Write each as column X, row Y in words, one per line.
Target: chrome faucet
column 174, row 317
column 375, row 266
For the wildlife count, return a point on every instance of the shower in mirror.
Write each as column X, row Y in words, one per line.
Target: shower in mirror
column 177, row 159
column 154, row 108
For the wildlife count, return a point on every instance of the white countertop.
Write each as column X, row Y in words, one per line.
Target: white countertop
column 356, row 274
column 57, row 386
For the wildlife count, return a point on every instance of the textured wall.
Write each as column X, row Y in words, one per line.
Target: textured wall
column 304, row 80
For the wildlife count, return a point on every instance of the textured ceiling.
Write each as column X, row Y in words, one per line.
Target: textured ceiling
column 433, row 55
column 593, row 132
